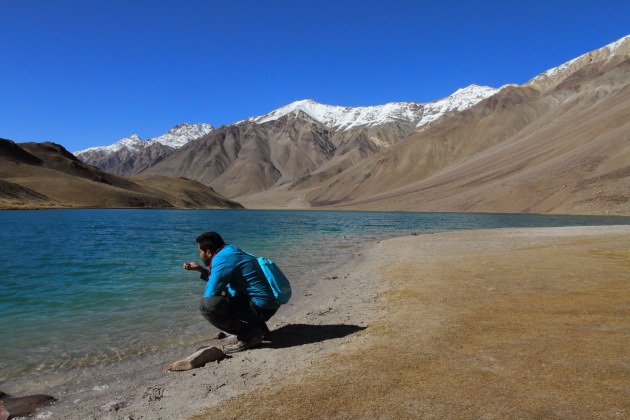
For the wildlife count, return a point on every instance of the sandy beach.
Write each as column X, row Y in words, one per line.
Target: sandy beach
column 506, row 323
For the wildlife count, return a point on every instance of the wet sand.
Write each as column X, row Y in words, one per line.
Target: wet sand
column 495, row 323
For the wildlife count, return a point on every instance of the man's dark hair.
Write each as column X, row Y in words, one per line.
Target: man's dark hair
column 210, row 241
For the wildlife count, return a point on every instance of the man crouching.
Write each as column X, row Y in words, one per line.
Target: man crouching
column 238, row 298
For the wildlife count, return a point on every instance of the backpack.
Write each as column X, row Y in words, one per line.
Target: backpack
column 277, row 280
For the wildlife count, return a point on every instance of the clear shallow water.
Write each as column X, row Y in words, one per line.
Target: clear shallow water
column 83, row 287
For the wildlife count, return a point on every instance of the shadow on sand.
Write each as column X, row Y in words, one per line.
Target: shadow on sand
column 299, row 334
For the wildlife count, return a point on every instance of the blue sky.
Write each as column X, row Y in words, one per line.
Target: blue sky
column 86, row 73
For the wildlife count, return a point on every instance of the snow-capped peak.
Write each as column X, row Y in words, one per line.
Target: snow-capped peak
column 339, row 117
column 472, row 93
column 605, row 53
column 181, row 134
column 175, row 138
column 613, row 47
column 460, row 100
column 344, row 118
column 132, row 142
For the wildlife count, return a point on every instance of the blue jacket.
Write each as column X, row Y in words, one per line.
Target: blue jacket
column 242, row 273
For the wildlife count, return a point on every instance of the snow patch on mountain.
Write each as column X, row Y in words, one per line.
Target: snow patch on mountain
column 617, row 44
column 132, row 142
column 345, row 118
column 460, row 100
column 610, row 50
column 175, row 138
column 182, row 134
column 556, row 70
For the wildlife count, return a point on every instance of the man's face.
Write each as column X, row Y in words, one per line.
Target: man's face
column 205, row 256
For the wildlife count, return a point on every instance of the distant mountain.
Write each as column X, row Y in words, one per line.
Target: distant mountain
column 560, row 143
column 131, row 155
column 291, row 142
column 45, row 175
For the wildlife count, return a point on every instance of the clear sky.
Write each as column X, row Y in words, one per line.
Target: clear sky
column 86, row 73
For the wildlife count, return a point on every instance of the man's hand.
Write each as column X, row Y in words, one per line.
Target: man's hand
column 193, row 266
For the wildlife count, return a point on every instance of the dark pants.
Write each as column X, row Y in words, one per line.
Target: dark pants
column 235, row 315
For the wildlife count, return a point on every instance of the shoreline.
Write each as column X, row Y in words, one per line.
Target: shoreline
column 334, row 355
column 603, row 213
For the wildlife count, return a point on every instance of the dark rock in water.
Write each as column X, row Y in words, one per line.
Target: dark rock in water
column 22, row 406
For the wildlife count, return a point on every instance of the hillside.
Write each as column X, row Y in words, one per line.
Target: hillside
column 284, row 145
column 45, row 175
column 560, row 143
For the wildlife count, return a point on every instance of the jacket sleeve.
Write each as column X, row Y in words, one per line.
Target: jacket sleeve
column 219, row 277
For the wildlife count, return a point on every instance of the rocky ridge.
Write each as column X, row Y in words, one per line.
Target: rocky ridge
column 131, row 155
column 556, row 144
column 412, row 113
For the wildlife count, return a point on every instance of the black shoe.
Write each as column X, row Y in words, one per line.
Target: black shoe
column 240, row 345
column 264, row 330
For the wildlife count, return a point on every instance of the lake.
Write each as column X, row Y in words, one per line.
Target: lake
column 81, row 289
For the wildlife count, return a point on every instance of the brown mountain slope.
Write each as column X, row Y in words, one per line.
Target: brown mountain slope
column 184, row 193
column 56, row 157
column 577, row 165
column 249, row 157
column 44, row 175
column 557, row 144
column 16, row 196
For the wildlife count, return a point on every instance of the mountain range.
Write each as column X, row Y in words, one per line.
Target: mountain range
column 559, row 143
column 278, row 147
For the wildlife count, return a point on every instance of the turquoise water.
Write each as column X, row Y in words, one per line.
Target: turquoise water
column 81, row 288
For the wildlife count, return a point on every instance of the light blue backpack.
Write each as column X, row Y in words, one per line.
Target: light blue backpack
column 279, row 283
column 277, row 280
